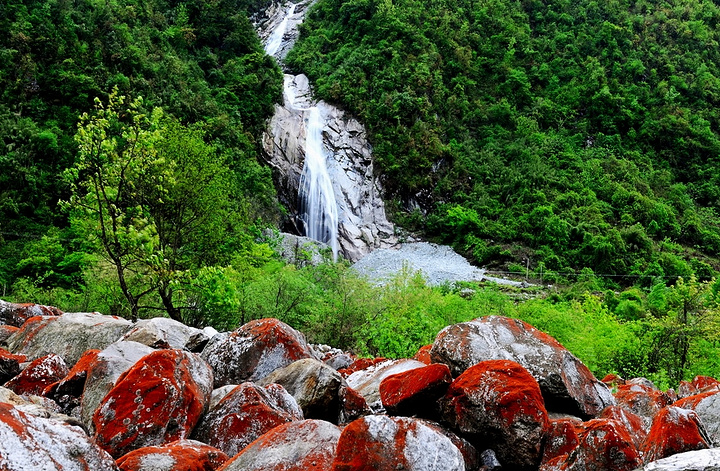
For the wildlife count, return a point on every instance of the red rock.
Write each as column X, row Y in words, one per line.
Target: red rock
column 382, row 443
column 181, row 455
column 613, row 380
column 244, row 414
column 423, row 355
column 642, row 400
column 604, row 444
column 674, row 430
column 633, row 423
column 254, row 350
column 367, row 381
column 562, row 438
column 497, row 404
column 68, row 390
column 361, row 364
column 32, row 443
column 415, row 392
column 157, row 401
column 706, row 383
column 15, row 314
column 38, row 375
column 567, row 384
column 305, row 445
column 10, row 365
column 707, row 406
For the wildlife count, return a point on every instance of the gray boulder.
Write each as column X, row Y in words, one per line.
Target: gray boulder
column 699, row 460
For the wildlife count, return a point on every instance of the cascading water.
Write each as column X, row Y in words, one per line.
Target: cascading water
column 316, row 194
column 318, row 207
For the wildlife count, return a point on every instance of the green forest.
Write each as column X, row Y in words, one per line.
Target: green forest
column 573, row 144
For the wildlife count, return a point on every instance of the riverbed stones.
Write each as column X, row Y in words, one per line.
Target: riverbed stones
column 566, row 383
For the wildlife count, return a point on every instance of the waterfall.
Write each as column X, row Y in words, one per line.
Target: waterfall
column 275, row 40
column 316, row 194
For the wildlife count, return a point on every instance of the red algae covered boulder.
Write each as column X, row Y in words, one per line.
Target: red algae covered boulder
column 15, row 314
column 367, row 381
column 361, row 364
column 603, row 445
column 68, row 390
column 381, row 443
column 633, row 423
column 415, row 392
column 707, row 406
column 254, row 350
column 6, row 331
column 423, row 354
column 352, row 405
column 32, row 443
column 497, row 404
column 305, row 445
column 642, row 399
column 244, row 414
column 181, row 455
column 673, row 431
column 69, row 335
column 157, row 401
column 706, row 383
column 566, row 383
column 38, row 375
column 561, row 438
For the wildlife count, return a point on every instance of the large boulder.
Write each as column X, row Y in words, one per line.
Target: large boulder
column 38, row 375
column 700, row 460
column 15, row 314
column 41, row 336
column 163, row 332
column 254, row 350
column 157, row 401
column 561, row 438
column 315, row 386
column 633, row 423
column 367, row 381
column 414, row 393
column 295, row 446
column 674, row 431
column 244, row 414
column 382, row 443
column 642, row 398
column 10, row 365
column 603, row 445
column 707, row 406
column 104, row 372
column 566, row 383
column 181, row 455
column 497, row 404
column 35, row 443
column 68, row 390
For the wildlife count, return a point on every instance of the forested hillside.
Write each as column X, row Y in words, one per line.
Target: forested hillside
column 202, row 62
column 578, row 134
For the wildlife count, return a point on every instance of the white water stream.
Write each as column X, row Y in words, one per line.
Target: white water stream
column 319, row 209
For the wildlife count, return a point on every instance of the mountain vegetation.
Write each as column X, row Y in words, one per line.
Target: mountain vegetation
column 572, row 143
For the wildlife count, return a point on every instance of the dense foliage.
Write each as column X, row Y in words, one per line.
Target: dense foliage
column 570, row 133
column 200, row 61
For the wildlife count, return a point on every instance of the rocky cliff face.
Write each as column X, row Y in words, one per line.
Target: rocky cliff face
column 261, row 398
column 362, row 222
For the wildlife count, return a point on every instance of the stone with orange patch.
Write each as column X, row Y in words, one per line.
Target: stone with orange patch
column 707, row 406
column 566, row 383
column 157, row 401
column 6, row 331
column 633, row 423
column 352, row 405
column 181, row 455
column 244, row 414
column 423, row 354
column 32, row 443
column 360, row 364
column 38, row 375
column 10, row 365
column 674, row 430
column 706, row 383
column 382, row 443
column 642, row 400
column 497, row 404
column 15, row 314
column 305, row 445
column 254, row 350
column 561, row 439
column 415, row 392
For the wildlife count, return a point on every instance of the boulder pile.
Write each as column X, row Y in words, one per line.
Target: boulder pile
column 86, row 391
